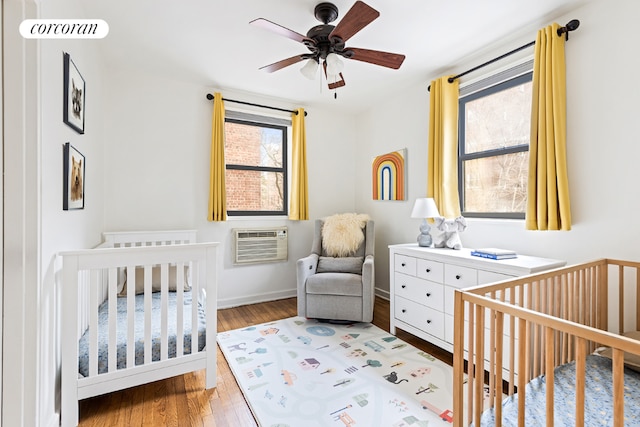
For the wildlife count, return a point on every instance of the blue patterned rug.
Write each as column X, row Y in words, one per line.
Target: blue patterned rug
column 297, row 372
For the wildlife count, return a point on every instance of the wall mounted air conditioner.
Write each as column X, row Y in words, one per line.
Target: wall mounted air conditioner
column 256, row 245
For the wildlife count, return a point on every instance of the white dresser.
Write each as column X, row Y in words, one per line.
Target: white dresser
column 422, row 283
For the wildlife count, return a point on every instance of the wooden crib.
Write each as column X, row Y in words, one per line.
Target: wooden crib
column 532, row 337
column 156, row 334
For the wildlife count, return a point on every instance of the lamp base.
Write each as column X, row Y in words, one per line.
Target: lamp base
column 424, row 238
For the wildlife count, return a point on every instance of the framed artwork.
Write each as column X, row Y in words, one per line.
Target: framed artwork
column 73, row 184
column 74, row 96
column 389, row 176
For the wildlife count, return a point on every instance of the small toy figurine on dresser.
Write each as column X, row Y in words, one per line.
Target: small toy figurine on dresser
column 448, row 236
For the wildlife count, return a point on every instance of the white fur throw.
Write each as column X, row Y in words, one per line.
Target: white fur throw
column 342, row 233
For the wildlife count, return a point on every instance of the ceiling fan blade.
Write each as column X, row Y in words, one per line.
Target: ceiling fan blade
column 281, row 64
column 359, row 16
column 376, row 57
column 278, row 29
column 336, row 84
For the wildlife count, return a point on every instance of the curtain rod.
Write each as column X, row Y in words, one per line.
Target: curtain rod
column 210, row 98
column 571, row 26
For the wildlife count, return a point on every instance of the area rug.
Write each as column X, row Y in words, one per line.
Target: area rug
column 297, row 372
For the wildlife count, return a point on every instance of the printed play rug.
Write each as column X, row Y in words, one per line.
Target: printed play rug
column 302, row 373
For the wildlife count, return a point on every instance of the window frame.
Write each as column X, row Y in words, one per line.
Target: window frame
column 464, row 157
column 284, row 169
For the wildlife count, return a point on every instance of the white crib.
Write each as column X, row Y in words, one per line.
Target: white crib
column 91, row 280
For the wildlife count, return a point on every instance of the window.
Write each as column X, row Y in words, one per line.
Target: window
column 256, row 167
column 493, row 161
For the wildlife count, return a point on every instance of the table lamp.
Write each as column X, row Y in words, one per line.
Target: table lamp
column 425, row 208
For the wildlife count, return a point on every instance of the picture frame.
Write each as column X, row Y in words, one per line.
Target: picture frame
column 73, row 188
column 73, row 95
column 389, row 176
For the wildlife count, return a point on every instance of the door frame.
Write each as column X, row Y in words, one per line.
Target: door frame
column 21, row 227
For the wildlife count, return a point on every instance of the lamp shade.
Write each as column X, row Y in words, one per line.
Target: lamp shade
column 425, row 208
column 309, row 70
column 334, row 64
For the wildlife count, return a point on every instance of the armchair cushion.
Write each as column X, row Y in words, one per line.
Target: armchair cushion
column 335, row 284
column 340, row 265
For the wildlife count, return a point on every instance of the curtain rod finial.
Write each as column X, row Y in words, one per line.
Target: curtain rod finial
column 209, row 96
column 571, row 26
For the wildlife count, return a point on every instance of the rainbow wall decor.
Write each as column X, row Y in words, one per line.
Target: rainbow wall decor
column 388, row 175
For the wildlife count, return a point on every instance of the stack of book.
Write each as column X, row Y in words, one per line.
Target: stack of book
column 494, row 253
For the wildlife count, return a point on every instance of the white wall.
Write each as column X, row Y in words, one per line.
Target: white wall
column 158, row 134
column 602, row 145
column 64, row 230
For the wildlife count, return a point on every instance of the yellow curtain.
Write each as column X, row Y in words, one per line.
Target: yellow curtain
column 442, row 180
column 217, row 191
column 299, row 205
column 548, row 205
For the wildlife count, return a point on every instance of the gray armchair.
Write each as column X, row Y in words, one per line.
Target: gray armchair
column 337, row 288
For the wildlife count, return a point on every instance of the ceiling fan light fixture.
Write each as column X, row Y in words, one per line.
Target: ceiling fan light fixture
column 310, row 69
column 334, row 64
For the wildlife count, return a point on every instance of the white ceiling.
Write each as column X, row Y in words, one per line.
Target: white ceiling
column 210, row 42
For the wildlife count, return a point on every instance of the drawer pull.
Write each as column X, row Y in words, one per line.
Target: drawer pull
column 428, row 270
column 428, row 321
column 403, row 286
column 428, row 294
column 403, row 264
column 458, row 276
column 404, row 310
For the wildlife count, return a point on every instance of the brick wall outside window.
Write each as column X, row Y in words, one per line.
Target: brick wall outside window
column 250, row 190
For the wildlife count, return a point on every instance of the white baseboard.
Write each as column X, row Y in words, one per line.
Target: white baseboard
column 254, row 299
column 383, row 294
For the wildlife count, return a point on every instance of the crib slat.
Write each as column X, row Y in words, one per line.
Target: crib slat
column 581, row 354
column 479, row 371
column 131, row 312
column 471, row 366
column 621, row 299
column 604, row 297
column 492, row 346
column 93, row 322
column 147, row 314
column 164, row 310
column 618, row 387
column 195, row 291
column 525, row 351
column 565, row 315
column 458, row 361
column 180, row 271
column 497, row 401
column 549, row 374
column 113, row 317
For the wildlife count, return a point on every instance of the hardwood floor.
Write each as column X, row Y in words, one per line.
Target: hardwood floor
column 182, row 400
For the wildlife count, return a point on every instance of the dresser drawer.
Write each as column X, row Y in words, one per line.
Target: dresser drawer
column 460, row 277
column 405, row 264
column 417, row 315
column 430, row 270
column 419, row 290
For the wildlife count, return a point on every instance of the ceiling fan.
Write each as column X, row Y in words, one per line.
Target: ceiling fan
column 326, row 42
